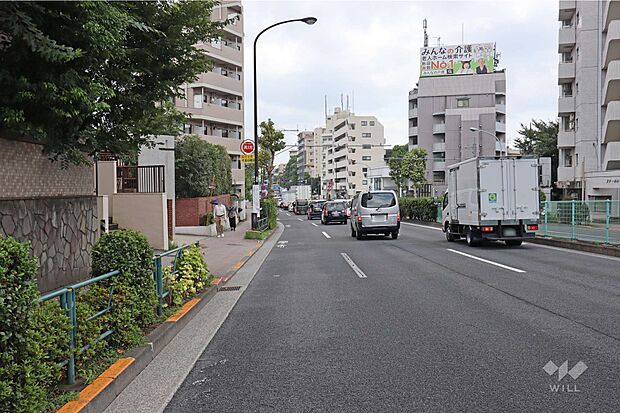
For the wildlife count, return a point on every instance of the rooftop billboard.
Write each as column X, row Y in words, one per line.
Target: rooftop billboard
column 466, row 59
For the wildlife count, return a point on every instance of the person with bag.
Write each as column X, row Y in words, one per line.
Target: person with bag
column 232, row 217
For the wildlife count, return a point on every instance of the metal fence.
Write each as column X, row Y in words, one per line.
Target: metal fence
column 142, row 178
column 67, row 297
column 594, row 221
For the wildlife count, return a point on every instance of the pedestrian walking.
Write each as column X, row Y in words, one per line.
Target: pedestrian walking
column 220, row 215
column 232, row 217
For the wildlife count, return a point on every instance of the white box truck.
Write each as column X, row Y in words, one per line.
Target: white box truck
column 492, row 199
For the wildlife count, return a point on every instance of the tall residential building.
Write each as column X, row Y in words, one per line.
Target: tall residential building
column 305, row 154
column 214, row 101
column 589, row 102
column 443, row 108
column 351, row 145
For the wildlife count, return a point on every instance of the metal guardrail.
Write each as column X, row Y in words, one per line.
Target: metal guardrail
column 158, row 274
column 67, row 297
column 262, row 224
column 68, row 302
column 593, row 221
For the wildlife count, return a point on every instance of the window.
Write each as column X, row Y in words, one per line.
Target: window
column 413, row 122
column 366, row 146
column 364, row 123
column 366, row 135
column 462, row 103
column 371, row 123
column 365, row 182
column 567, row 57
column 567, row 90
column 352, row 126
column 413, row 140
column 366, row 158
column 378, row 200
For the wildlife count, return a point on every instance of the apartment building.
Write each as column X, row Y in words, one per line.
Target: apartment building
column 351, row 145
column 214, row 101
column 305, row 155
column 443, row 108
column 589, row 101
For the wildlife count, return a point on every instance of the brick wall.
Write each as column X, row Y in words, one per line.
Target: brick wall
column 189, row 210
column 25, row 172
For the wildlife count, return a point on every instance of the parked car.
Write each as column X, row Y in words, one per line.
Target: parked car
column 334, row 211
column 375, row 212
column 315, row 209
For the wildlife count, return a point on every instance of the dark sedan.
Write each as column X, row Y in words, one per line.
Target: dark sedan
column 334, row 211
column 315, row 209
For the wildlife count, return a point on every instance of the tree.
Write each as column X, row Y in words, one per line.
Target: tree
column 315, row 183
column 540, row 139
column 271, row 141
column 201, row 168
column 249, row 181
column 414, row 167
column 395, row 163
column 290, row 177
column 264, row 162
column 81, row 77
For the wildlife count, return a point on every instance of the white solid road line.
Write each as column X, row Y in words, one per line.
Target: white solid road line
column 569, row 251
column 421, row 226
column 299, row 219
column 326, row 234
column 288, row 215
column 353, row 266
column 497, row 264
column 314, row 224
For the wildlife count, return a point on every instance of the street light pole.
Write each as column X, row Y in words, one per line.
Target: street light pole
column 307, row 20
column 493, row 135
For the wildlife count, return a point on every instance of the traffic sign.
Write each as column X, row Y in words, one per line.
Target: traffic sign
column 247, row 158
column 247, row 147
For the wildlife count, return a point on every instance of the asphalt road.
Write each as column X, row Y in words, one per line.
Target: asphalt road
column 413, row 325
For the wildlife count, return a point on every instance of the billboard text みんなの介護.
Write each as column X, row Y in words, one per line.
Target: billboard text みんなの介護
column 466, row 59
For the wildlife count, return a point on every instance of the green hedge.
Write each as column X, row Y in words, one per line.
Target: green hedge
column 420, row 209
column 32, row 335
column 270, row 207
column 191, row 278
column 134, row 297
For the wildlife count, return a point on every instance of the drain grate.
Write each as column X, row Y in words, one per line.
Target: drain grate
column 231, row 288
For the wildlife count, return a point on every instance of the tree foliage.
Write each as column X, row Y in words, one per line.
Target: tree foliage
column 86, row 76
column 395, row 163
column 289, row 177
column 414, row 167
column 540, row 138
column 271, row 141
column 201, row 168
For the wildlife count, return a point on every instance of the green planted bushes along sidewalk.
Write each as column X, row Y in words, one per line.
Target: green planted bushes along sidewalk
column 420, row 209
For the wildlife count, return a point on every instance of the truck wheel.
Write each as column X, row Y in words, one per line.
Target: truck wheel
column 513, row 242
column 395, row 235
column 449, row 236
column 471, row 238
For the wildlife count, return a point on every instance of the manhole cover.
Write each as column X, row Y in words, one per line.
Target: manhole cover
column 231, row 288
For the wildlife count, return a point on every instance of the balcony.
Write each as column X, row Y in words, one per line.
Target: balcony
column 439, row 147
column 611, row 123
column 216, row 113
column 439, row 128
column 500, row 107
column 566, row 105
column 611, row 87
column 566, row 72
column 566, row 174
column 413, row 130
column 566, row 39
column 217, row 81
column 226, row 53
column 440, row 112
column 413, row 113
column 567, row 9
column 231, row 144
column 439, row 165
column 611, row 12
column 611, row 160
column 500, row 127
column 566, row 139
column 611, row 49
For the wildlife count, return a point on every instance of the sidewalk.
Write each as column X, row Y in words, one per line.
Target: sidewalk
column 226, row 255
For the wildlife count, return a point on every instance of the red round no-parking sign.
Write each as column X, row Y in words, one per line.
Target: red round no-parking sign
column 247, row 147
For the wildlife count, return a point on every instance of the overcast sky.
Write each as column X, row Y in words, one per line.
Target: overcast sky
column 371, row 49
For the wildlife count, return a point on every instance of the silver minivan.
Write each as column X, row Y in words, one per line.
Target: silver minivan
column 375, row 212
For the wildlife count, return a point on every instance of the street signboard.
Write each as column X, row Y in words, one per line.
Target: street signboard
column 247, row 147
column 467, row 59
column 247, row 158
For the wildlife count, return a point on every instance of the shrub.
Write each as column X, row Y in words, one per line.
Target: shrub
column 191, row 278
column 134, row 298
column 270, row 207
column 32, row 336
column 420, row 208
column 207, row 219
column 258, row 235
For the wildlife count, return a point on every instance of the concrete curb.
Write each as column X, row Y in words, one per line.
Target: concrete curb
column 577, row 245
